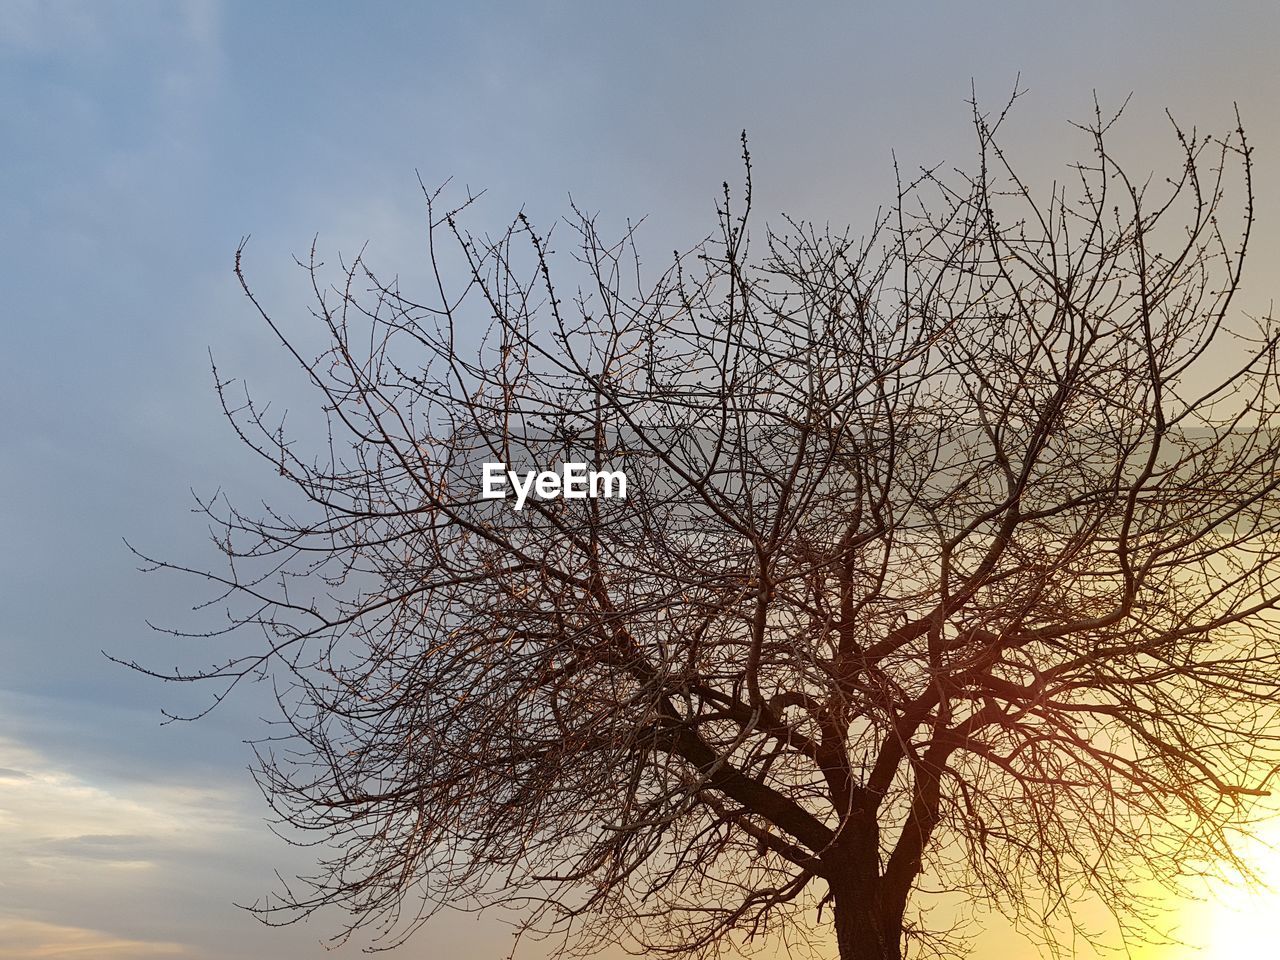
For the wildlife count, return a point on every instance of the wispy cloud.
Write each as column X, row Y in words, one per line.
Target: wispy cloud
column 42, row 803
column 32, row 939
column 71, row 849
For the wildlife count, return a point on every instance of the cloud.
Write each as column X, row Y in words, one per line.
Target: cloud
column 122, row 848
column 32, row 939
column 47, row 811
column 78, row 853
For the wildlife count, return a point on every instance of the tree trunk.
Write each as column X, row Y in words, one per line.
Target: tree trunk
column 863, row 932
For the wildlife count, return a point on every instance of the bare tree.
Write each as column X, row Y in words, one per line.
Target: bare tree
column 949, row 554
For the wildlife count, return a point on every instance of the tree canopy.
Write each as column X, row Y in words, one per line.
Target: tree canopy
column 949, row 552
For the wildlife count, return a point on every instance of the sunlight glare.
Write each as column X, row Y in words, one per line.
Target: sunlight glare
column 1243, row 920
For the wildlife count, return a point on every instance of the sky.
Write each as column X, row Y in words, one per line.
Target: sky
column 140, row 142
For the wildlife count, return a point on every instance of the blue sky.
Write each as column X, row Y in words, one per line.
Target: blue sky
column 141, row 141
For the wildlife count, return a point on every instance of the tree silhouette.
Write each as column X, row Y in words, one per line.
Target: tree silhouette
column 949, row 554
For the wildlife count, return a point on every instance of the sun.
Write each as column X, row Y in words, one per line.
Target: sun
column 1244, row 920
